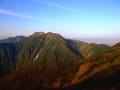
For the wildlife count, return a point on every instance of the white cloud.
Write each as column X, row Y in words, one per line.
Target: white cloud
column 58, row 6
column 10, row 13
column 41, row 19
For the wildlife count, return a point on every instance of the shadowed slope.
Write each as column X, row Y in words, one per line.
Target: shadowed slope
column 95, row 73
column 100, row 72
column 50, row 62
column 8, row 53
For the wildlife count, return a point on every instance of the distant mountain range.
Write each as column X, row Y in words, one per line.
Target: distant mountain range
column 48, row 61
column 13, row 39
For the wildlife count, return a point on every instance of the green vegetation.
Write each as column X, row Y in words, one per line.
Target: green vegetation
column 93, row 49
column 7, row 58
column 46, row 48
column 47, row 60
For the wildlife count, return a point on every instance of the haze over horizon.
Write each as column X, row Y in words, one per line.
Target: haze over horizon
column 70, row 18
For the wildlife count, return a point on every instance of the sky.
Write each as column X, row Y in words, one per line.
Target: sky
column 71, row 18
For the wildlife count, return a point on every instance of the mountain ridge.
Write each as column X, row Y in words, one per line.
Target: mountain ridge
column 54, row 44
column 13, row 39
column 50, row 61
column 96, row 73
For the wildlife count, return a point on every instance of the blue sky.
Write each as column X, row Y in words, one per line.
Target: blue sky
column 71, row 18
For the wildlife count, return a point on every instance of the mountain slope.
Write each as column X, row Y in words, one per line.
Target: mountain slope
column 92, row 49
column 8, row 53
column 40, row 48
column 98, row 72
column 46, row 48
column 48, row 61
column 9, row 49
column 95, row 73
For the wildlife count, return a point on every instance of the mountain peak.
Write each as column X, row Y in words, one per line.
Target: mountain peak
column 49, row 35
column 53, row 35
column 38, row 33
column 43, row 33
